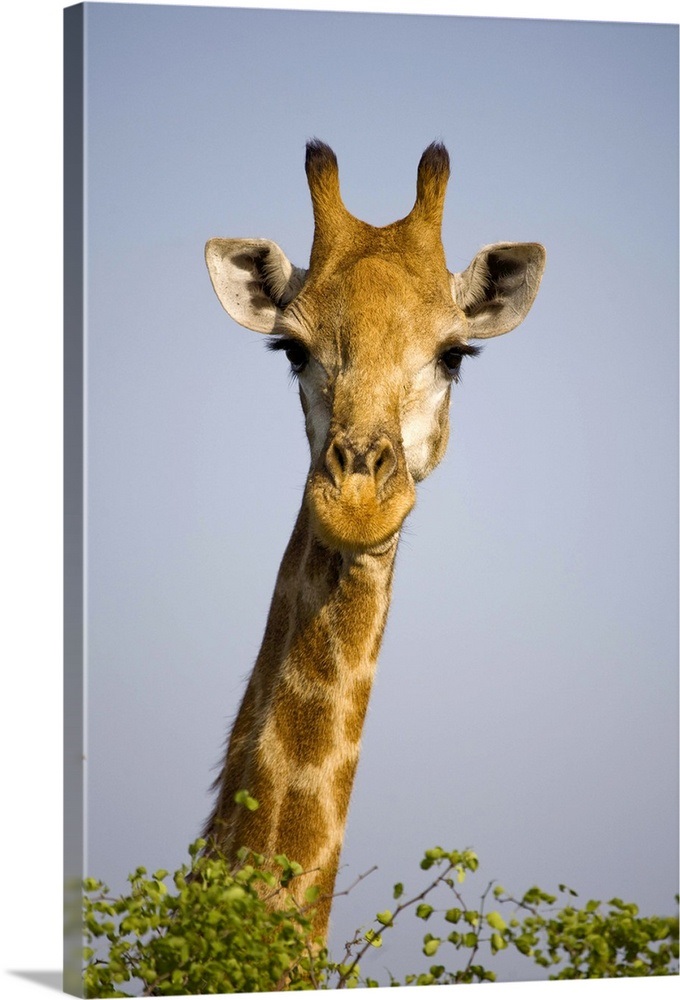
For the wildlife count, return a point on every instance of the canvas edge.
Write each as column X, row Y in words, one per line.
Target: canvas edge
column 73, row 380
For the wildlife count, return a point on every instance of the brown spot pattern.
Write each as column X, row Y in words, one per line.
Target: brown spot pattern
column 326, row 880
column 353, row 617
column 318, row 558
column 295, row 549
column 303, row 725
column 303, row 826
column 334, row 570
column 342, row 786
column 323, row 566
column 378, row 637
column 275, row 636
column 253, row 829
column 354, row 720
column 311, row 652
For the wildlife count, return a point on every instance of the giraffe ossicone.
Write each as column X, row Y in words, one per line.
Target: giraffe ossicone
column 375, row 331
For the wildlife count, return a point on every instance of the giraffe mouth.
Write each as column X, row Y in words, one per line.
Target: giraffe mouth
column 356, row 517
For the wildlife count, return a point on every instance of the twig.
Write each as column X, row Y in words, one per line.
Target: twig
column 475, row 947
column 400, row 909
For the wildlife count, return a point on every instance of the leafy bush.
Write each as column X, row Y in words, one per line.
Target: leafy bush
column 216, row 933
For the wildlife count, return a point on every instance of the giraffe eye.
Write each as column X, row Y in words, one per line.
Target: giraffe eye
column 452, row 357
column 451, row 360
column 297, row 355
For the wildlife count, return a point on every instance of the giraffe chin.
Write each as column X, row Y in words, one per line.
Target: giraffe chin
column 355, row 518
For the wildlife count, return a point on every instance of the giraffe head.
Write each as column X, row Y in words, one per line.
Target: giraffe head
column 375, row 330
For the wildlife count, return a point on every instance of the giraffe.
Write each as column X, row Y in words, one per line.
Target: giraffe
column 374, row 330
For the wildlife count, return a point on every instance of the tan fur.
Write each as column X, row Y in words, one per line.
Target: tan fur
column 372, row 318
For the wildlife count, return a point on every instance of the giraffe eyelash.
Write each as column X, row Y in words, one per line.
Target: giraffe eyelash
column 280, row 343
column 467, row 350
column 295, row 350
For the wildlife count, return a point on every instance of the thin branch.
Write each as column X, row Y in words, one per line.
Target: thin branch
column 334, row 895
column 400, row 909
column 475, row 948
column 355, row 883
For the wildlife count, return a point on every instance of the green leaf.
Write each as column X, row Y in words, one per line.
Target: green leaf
column 434, row 854
column 523, row 944
column 312, row 893
column 430, row 947
column 495, row 920
column 423, row 910
column 243, row 798
column 453, row 915
column 385, row 917
column 398, row 890
column 470, row 860
column 497, row 942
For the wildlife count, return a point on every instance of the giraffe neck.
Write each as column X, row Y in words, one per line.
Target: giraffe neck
column 295, row 742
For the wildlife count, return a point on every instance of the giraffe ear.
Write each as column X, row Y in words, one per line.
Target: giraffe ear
column 499, row 286
column 253, row 279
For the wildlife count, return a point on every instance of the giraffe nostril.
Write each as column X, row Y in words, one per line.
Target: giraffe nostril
column 377, row 460
column 338, row 459
column 384, row 461
column 339, row 456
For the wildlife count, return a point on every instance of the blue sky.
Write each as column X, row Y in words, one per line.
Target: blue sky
column 526, row 699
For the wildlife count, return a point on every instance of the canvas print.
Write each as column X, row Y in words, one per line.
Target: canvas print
column 371, row 610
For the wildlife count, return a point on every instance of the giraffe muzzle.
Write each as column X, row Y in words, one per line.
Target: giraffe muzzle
column 359, row 493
